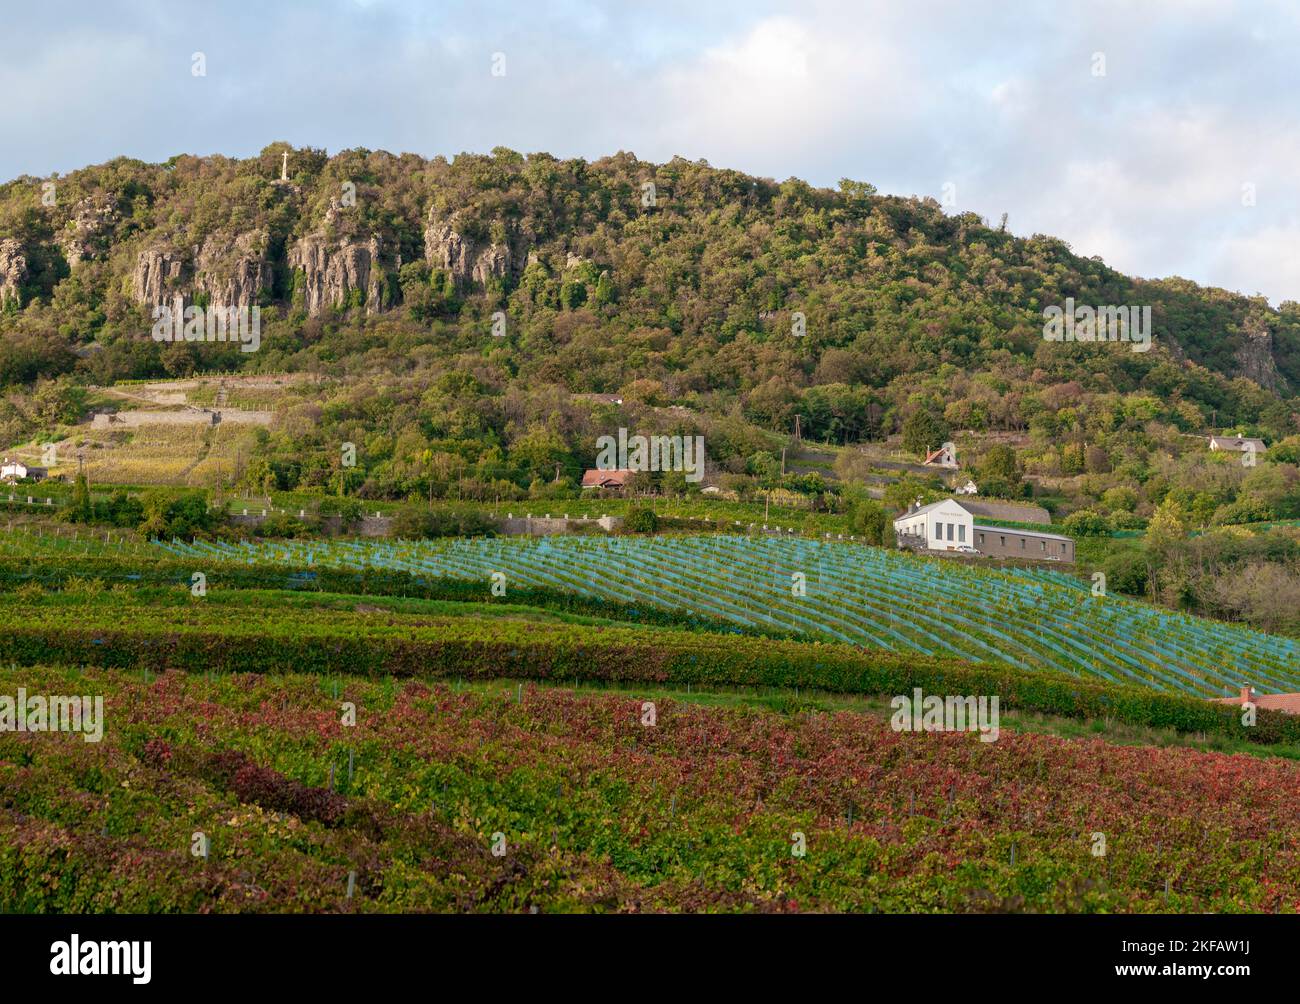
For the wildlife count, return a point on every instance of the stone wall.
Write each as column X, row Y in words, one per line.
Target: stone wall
column 193, row 416
column 538, row 526
column 369, row 525
column 373, row 525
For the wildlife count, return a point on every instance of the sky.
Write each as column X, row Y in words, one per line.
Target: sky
column 1160, row 135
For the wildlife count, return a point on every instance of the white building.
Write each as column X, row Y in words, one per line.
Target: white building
column 949, row 526
column 969, row 488
column 1237, row 444
column 939, row 526
column 16, row 470
column 944, row 456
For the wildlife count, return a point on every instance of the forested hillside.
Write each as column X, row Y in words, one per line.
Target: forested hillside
column 671, row 284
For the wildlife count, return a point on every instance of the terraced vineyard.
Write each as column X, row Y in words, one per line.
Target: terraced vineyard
column 1032, row 619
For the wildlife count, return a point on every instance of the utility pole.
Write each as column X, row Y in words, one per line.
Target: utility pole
column 783, row 461
column 797, row 437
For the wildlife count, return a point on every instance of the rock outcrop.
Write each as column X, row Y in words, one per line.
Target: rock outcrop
column 162, row 276
column 13, row 270
column 334, row 270
column 470, row 262
column 233, row 273
column 230, row 272
column 1254, row 358
column 90, row 231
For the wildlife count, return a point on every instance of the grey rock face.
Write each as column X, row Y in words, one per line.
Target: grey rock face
column 162, row 277
column 470, row 263
column 1255, row 356
column 230, row 271
column 332, row 270
column 90, row 231
column 13, row 269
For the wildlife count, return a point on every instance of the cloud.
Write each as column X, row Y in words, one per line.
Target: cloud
column 1144, row 165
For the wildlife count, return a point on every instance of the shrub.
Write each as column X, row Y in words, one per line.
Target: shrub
column 639, row 519
column 281, row 524
column 1087, row 523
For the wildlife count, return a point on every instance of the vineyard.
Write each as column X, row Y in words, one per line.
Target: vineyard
column 1030, row 619
column 461, row 786
column 519, row 798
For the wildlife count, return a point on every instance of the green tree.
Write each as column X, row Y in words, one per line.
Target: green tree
column 868, row 519
column 907, row 489
column 82, row 510
column 924, row 431
column 1000, row 462
column 1087, row 523
column 1167, row 528
column 640, row 519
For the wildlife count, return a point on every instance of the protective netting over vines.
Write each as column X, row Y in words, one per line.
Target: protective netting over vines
column 1030, row 618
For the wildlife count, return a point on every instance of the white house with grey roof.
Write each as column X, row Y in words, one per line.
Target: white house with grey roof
column 950, row 526
column 1237, row 444
column 939, row 526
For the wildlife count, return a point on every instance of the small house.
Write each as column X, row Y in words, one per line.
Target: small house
column 1237, row 444
column 944, row 456
column 615, row 481
column 939, row 526
column 16, row 470
column 1286, row 703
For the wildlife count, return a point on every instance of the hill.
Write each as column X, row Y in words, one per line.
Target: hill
column 672, row 284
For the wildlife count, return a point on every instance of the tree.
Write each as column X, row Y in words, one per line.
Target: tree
column 1167, row 528
column 82, row 510
column 605, row 292
column 907, row 489
column 1000, row 463
column 1121, row 498
column 868, row 519
column 764, row 468
column 674, row 484
column 166, row 514
column 924, row 431
column 1087, row 523
column 640, row 519
column 537, row 451
column 414, row 522
column 59, row 402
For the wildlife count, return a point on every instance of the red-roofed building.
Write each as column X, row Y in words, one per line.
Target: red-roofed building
column 1289, row 703
column 614, row 481
column 944, row 456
